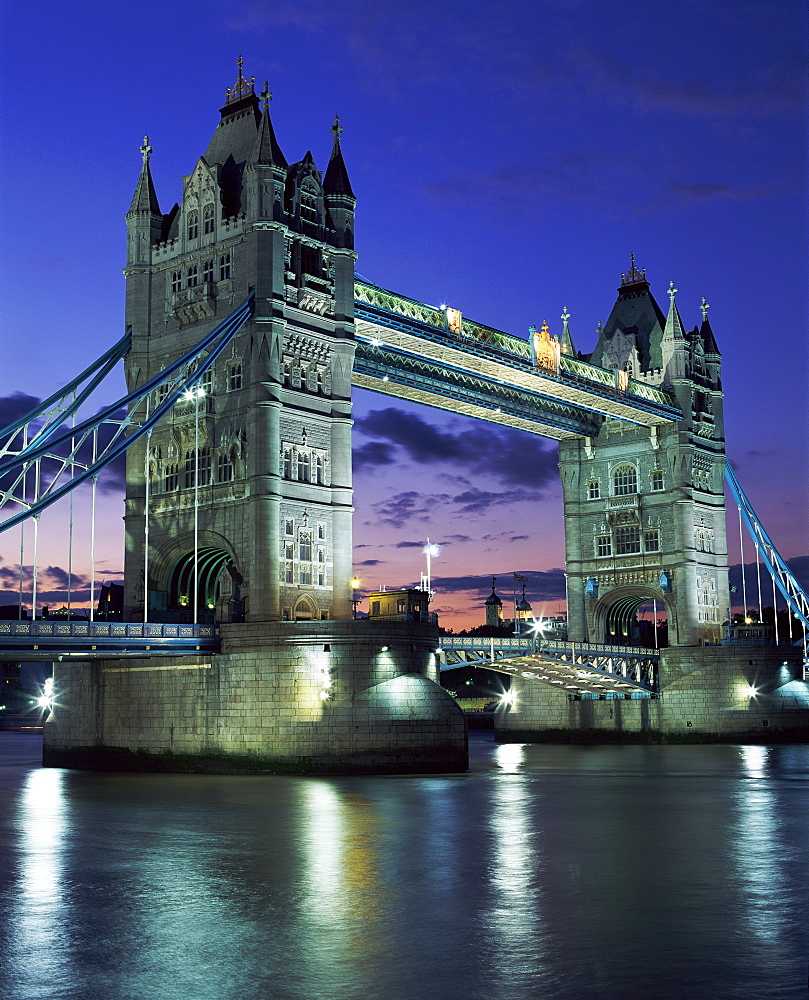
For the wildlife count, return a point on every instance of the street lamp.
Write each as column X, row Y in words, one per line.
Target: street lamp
column 431, row 550
column 354, row 599
column 196, row 393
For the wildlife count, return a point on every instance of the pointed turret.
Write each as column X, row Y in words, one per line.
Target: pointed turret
column 145, row 199
column 144, row 220
column 675, row 345
column 266, row 151
column 339, row 196
column 494, row 607
column 336, row 180
column 706, row 333
column 566, row 346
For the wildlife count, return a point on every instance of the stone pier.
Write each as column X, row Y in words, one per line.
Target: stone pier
column 708, row 694
column 338, row 697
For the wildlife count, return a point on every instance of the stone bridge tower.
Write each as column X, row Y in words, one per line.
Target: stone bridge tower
column 645, row 508
column 272, row 439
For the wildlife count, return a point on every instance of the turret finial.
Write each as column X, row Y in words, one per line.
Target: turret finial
column 336, row 128
column 242, row 88
column 565, row 317
column 672, row 292
column 146, row 152
column 704, row 307
column 266, row 97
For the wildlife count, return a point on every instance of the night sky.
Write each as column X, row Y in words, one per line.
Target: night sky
column 507, row 157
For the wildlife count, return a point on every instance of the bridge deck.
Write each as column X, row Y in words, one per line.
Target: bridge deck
column 45, row 640
column 509, row 389
column 577, row 668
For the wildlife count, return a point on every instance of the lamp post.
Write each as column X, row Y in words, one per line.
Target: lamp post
column 197, row 393
column 431, row 550
column 354, row 599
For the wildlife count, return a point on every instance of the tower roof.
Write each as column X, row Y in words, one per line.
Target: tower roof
column 706, row 333
column 145, row 198
column 636, row 318
column 336, row 180
column 674, row 325
column 493, row 599
column 266, row 150
column 235, row 135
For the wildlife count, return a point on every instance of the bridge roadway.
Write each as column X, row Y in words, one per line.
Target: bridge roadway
column 49, row 639
column 407, row 349
column 577, row 667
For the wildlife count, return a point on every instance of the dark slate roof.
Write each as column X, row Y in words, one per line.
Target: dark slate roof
column 145, row 199
column 235, row 135
column 708, row 340
column 336, row 180
column 493, row 599
column 266, row 150
column 637, row 315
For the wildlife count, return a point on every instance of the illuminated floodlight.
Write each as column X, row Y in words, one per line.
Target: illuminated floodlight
column 507, row 699
column 375, row 342
column 45, row 700
column 750, row 691
column 384, row 649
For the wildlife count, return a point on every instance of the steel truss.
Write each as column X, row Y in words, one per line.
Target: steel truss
column 42, row 460
column 781, row 575
column 579, row 668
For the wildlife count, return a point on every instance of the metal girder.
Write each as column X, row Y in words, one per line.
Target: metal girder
column 570, row 666
column 405, row 376
column 417, row 329
column 780, row 573
column 47, row 639
column 42, row 460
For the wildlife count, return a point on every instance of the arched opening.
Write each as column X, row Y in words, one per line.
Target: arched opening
column 211, row 562
column 637, row 620
column 305, row 610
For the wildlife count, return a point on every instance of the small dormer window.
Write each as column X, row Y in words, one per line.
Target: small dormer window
column 593, row 490
column 207, row 219
column 193, row 225
column 308, row 206
column 224, row 266
column 657, row 479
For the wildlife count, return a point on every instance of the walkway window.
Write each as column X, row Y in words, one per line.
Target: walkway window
column 224, row 469
column 625, row 480
column 651, row 540
column 204, row 466
column 193, row 225
column 172, row 478
column 603, row 545
column 627, row 540
column 235, row 376
column 303, row 467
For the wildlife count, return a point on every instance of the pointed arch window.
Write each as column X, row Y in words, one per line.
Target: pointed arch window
column 624, row 480
column 207, row 270
column 304, row 467
column 593, row 490
column 207, row 219
column 234, row 376
column 224, row 469
column 193, row 225
column 224, row 266
column 657, row 479
column 319, row 470
column 172, row 478
column 309, row 206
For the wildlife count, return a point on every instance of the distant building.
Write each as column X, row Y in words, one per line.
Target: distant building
column 408, row 604
column 494, row 608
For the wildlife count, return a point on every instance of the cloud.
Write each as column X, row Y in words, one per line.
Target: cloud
column 513, row 457
column 410, row 545
column 542, row 585
column 371, row 455
column 403, row 507
column 800, row 569
column 707, row 191
column 370, row 562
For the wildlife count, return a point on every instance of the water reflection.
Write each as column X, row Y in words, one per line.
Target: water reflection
column 759, row 867
column 513, row 920
column 35, row 919
column 509, row 757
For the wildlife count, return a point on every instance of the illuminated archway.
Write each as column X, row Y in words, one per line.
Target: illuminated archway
column 626, row 622
column 210, row 563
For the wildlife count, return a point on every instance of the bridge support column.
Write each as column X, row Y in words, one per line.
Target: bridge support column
column 305, row 697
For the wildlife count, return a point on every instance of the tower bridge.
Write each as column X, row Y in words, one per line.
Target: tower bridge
column 237, row 435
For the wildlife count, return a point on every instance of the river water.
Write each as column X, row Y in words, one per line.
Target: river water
column 554, row 872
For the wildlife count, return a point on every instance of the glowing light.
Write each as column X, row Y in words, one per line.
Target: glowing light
column 354, row 583
column 507, row 699
column 750, row 691
column 45, row 700
column 384, row 649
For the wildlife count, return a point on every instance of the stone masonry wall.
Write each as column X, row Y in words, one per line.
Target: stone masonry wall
column 708, row 693
column 302, row 697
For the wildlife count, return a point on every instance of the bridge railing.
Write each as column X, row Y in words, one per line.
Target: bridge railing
column 112, row 630
column 544, row 645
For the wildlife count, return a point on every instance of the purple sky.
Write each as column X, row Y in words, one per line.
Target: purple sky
column 507, row 157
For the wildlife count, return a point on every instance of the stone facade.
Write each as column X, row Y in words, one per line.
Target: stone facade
column 270, row 442
column 327, row 697
column 707, row 694
column 645, row 508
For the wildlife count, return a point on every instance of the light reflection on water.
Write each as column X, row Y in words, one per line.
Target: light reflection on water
column 561, row 872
